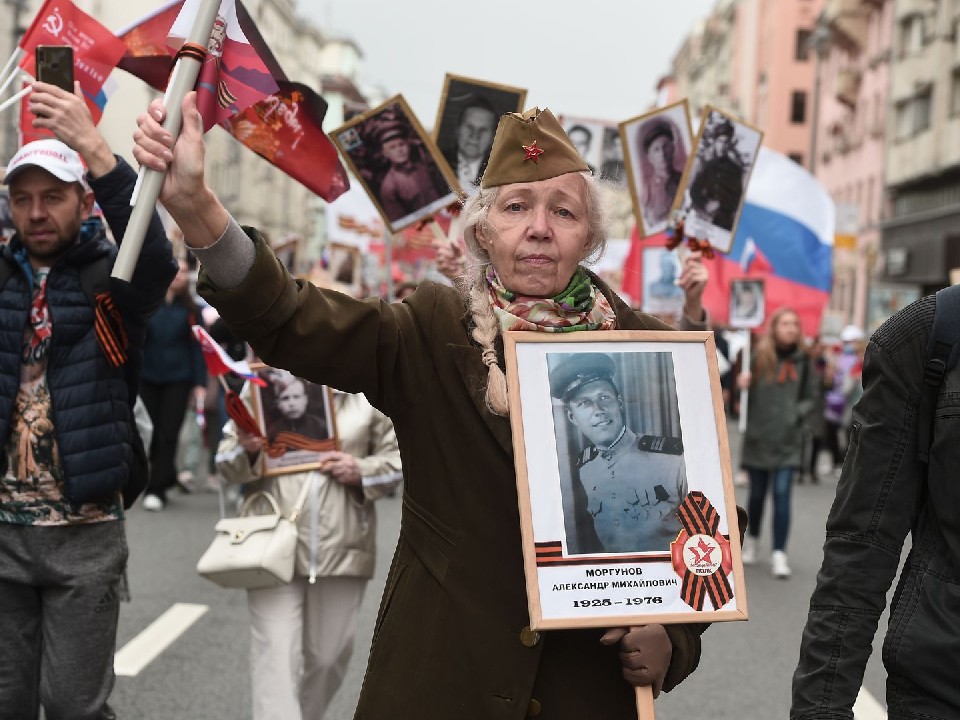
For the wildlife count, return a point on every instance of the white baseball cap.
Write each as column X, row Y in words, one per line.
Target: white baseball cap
column 51, row 155
column 851, row 333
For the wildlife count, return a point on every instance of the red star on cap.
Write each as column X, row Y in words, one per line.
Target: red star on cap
column 533, row 152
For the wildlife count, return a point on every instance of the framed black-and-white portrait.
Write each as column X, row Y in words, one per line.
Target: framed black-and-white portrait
column 715, row 180
column 7, row 230
column 466, row 122
column 661, row 270
column 397, row 163
column 747, row 303
column 297, row 419
column 658, row 144
column 624, row 479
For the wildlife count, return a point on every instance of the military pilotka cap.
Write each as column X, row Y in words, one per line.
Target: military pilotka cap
column 580, row 369
column 528, row 148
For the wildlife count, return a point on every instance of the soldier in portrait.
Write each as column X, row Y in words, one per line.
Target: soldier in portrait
column 627, row 485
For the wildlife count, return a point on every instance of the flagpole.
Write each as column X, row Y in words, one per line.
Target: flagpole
column 745, row 393
column 14, row 59
column 388, row 258
column 15, row 99
column 182, row 80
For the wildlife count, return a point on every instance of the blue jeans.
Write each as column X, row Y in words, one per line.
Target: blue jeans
column 782, row 485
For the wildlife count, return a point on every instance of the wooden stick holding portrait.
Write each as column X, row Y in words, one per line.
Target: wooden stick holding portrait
column 624, row 479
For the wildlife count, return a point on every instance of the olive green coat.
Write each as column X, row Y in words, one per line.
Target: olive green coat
column 777, row 413
column 451, row 639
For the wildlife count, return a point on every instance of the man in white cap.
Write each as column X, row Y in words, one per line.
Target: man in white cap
column 69, row 367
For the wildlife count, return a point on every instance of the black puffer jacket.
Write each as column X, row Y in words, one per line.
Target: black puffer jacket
column 881, row 497
column 91, row 400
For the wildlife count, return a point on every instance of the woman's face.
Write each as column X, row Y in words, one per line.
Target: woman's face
column 786, row 331
column 660, row 154
column 537, row 234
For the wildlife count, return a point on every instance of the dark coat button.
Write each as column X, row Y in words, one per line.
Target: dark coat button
column 529, row 637
column 534, row 708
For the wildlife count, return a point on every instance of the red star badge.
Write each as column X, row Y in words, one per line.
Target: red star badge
column 533, row 152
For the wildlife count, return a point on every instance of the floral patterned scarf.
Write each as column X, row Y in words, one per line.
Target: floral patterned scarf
column 579, row 307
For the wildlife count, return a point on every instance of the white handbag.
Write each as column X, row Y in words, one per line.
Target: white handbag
column 254, row 551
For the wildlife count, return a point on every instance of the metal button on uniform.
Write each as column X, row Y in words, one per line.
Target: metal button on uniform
column 529, row 637
column 533, row 709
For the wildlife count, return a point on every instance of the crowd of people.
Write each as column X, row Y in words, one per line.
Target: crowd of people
column 416, row 386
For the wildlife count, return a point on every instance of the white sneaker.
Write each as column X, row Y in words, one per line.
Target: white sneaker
column 152, row 503
column 778, row 564
column 748, row 553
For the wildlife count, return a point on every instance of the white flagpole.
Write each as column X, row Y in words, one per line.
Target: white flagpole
column 745, row 393
column 14, row 59
column 144, row 200
column 15, row 99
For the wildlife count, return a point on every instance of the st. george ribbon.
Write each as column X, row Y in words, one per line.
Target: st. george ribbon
column 183, row 78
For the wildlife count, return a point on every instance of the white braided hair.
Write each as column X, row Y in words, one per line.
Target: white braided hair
column 486, row 328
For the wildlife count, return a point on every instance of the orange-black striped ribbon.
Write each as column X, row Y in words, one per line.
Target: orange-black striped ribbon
column 698, row 517
column 294, row 441
column 238, row 412
column 110, row 331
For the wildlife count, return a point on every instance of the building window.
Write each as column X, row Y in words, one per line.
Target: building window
column 797, row 158
column 922, row 108
column 802, row 51
column 955, row 94
column 798, row 107
column 913, row 115
column 911, row 35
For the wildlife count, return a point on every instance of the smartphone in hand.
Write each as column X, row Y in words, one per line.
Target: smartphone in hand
column 55, row 65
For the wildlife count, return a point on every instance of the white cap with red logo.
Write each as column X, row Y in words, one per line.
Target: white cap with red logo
column 51, row 155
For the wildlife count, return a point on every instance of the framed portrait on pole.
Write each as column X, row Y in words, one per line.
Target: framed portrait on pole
column 466, row 122
column 714, row 183
column 296, row 418
column 624, row 479
column 747, row 303
column 397, row 163
column 657, row 146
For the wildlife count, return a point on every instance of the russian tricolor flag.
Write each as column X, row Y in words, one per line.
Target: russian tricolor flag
column 785, row 236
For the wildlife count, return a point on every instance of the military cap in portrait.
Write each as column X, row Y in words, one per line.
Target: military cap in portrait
column 578, row 370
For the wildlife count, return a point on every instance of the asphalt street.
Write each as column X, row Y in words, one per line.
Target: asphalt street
column 192, row 663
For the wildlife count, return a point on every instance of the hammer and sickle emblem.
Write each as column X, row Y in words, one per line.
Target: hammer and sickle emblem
column 54, row 23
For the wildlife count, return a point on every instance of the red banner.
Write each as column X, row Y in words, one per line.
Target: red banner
column 285, row 127
column 96, row 50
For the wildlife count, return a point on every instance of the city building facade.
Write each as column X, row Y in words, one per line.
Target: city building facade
column 920, row 243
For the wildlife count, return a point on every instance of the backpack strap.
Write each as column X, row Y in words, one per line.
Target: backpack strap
column 943, row 350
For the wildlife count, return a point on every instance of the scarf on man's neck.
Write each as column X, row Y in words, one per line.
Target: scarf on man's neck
column 579, row 307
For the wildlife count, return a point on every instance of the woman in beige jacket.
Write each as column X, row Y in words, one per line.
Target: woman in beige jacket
column 302, row 633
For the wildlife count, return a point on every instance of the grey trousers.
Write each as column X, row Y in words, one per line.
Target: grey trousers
column 59, row 605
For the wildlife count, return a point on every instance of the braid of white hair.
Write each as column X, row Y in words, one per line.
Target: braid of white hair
column 485, row 331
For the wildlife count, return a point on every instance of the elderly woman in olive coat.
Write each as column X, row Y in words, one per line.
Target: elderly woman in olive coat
column 452, row 639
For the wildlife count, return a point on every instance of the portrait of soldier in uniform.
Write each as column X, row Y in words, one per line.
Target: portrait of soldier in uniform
column 625, row 481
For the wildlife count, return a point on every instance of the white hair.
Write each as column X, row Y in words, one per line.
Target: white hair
column 486, row 328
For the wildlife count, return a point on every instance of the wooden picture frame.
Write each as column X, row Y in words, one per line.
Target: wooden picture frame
column 301, row 437
column 487, row 101
column 424, row 187
column 714, row 184
column 659, row 552
column 345, row 266
column 657, row 144
column 748, row 307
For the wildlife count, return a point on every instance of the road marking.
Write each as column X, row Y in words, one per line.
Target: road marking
column 155, row 638
column 867, row 708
